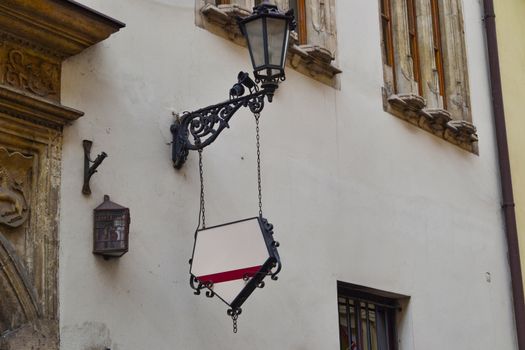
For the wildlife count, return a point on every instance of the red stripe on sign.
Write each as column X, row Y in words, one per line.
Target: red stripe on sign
column 229, row 275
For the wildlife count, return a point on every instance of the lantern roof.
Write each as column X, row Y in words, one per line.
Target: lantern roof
column 109, row 205
column 267, row 10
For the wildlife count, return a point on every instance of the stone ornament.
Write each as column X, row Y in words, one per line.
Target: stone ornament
column 35, row 38
column 30, row 73
column 14, row 170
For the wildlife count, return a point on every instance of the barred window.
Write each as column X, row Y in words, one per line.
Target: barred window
column 367, row 318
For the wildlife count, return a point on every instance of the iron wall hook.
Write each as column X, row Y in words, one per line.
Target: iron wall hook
column 90, row 170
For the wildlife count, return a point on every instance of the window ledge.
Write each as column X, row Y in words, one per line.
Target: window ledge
column 314, row 61
column 438, row 121
column 224, row 14
column 311, row 60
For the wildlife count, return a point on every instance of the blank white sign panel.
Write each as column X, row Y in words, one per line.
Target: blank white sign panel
column 225, row 254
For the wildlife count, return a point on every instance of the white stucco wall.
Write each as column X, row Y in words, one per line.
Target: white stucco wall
column 355, row 195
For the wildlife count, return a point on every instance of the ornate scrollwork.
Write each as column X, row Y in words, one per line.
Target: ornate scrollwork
column 234, row 312
column 196, row 130
column 32, row 74
column 197, row 288
column 276, row 268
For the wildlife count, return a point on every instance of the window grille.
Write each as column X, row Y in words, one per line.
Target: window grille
column 366, row 321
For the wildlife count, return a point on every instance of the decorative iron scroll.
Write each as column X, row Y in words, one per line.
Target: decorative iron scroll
column 205, row 125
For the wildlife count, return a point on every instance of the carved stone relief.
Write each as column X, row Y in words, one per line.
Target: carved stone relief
column 35, row 38
column 29, row 185
column 29, row 71
column 14, row 171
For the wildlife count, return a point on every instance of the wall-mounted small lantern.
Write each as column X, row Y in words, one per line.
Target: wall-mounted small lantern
column 111, row 229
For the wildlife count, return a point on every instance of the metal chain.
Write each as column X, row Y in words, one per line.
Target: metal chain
column 202, row 207
column 258, row 139
column 234, row 318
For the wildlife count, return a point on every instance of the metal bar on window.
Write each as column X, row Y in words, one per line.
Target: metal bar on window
column 368, row 330
column 387, row 329
column 392, row 330
column 348, row 321
column 359, row 335
column 392, row 306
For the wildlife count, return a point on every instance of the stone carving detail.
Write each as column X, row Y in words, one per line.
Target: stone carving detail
column 18, row 300
column 438, row 121
column 29, row 180
column 14, row 209
column 35, row 37
column 30, row 73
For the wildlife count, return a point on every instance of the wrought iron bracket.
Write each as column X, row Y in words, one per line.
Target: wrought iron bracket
column 90, row 170
column 196, row 130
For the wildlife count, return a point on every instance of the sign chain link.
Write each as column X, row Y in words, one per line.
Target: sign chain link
column 202, row 215
column 202, row 206
column 258, row 139
column 234, row 318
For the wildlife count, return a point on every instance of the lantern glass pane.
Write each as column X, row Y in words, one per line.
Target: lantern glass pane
column 254, row 34
column 110, row 230
column 276, row 29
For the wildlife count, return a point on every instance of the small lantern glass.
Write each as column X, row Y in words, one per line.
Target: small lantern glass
column 267, row 31
column 111, row 229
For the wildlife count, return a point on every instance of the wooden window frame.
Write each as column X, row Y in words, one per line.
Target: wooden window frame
column 413, row 44
column 438, row 49
column 386, row 23
column 300, row 17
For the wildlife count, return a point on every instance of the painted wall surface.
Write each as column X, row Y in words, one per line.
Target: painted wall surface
column 511, row 28
column 355, row 195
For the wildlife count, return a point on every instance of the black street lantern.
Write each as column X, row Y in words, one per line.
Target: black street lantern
column 111, row 229
column 231, row 260
column 267, row 31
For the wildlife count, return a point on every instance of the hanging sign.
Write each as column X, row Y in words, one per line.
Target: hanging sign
column 232, row 259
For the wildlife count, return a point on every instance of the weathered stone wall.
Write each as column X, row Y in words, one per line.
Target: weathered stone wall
column 35, row 38
column 29, row 192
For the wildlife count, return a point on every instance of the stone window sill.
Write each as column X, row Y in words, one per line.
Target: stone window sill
column 311, row 60
column 412, row 108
